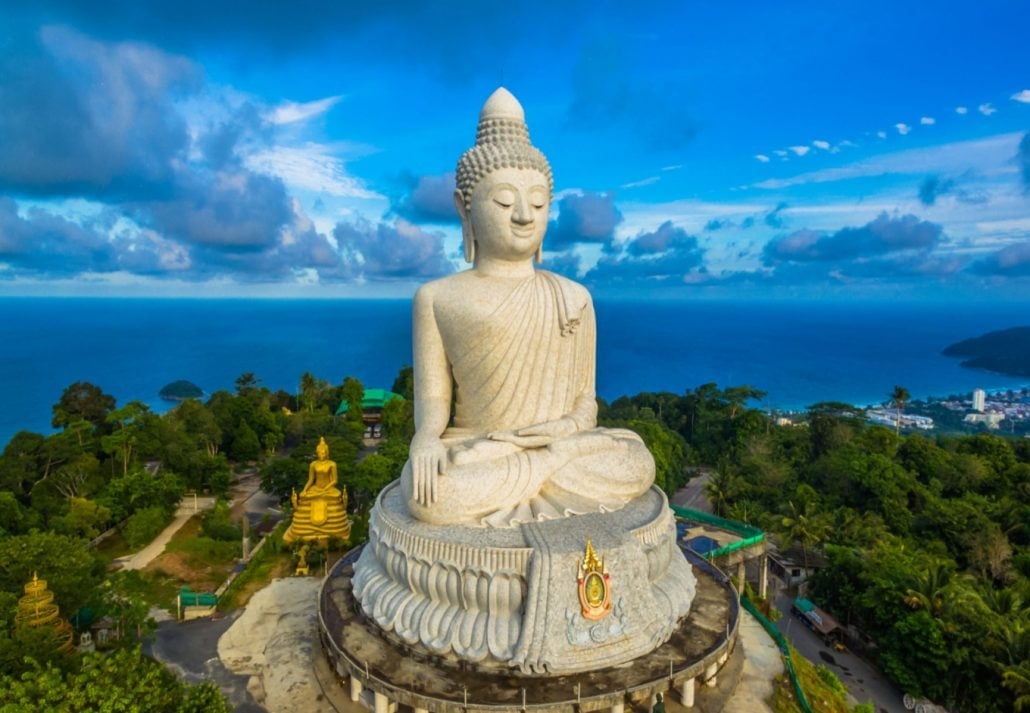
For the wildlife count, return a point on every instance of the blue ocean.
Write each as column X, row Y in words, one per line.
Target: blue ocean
column 799, row 353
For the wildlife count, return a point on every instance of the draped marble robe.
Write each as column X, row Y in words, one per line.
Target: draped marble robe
column 529, row 361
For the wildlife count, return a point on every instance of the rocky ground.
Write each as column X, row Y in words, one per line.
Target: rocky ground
column 275, row 643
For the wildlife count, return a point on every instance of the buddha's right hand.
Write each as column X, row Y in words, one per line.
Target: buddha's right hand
column 428, row 460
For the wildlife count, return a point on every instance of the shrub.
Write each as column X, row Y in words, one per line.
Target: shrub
column 217, row 525
column 143, row 526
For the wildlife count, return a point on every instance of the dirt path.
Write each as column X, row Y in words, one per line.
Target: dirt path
column 187, row 509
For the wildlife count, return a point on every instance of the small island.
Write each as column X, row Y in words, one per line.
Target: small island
column 180, row 391
column 1006, row 351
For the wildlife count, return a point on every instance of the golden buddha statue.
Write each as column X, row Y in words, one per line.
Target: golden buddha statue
column 320, row 511
column 37, row 609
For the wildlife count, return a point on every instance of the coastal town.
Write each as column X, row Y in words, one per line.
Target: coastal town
column 1007, row 411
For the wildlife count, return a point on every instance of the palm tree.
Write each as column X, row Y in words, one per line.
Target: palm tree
column 899, row 397
column 722, row 487
column 1017, row 680
column 806, row 527
column 930, row 588
column 944, row 595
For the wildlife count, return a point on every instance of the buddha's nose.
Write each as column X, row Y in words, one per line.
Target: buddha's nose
column 523, row 214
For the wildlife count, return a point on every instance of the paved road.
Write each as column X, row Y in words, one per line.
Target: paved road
column 863, row 680
column 693, row 494
column 191, row 650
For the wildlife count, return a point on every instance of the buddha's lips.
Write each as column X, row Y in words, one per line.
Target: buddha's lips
column 523, row 232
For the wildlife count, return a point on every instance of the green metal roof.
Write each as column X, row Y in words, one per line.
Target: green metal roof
column 804, row 605
column 373, row 398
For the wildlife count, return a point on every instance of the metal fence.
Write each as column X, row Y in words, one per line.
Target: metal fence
column 781, row 642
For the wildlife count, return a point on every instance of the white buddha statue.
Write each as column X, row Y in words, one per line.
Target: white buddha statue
column 513, row 348
column 475, row 553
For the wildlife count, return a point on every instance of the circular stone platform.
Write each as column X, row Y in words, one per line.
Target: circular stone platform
column 515, row 597
column 396, row 673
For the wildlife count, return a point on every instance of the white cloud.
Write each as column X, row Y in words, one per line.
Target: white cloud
column 674, row 167
column 986, row 109
column 800, row 150
column 650, row 180
column 927, row 121
column 961, row 110
column 903, row 128
column 1022, row 97
column 881, row 134
column 762, row 157
column 781, row 153
column 988, row 156
column 824, row 145
column 290, row 112
column 312, row 167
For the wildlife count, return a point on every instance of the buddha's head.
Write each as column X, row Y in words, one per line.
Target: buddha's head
column 503, row 179
column 322, row 449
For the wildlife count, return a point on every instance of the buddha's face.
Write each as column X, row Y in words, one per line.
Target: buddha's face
column 322, row 451
column 509, row 212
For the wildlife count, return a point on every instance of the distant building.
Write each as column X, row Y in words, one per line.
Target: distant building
column 993, row 420
column 884, row 417
column 372, row 410
column 979, row 398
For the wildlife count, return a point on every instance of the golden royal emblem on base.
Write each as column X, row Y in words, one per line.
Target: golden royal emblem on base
column 595, row 592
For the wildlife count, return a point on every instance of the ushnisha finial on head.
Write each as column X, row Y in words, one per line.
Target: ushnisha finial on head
column 502, row 141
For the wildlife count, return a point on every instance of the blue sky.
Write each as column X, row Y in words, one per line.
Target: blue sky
column 700, row 149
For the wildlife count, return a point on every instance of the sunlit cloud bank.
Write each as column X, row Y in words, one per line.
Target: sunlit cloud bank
column 312, row 152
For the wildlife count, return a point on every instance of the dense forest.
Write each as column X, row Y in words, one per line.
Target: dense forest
column 125, row 467
column 927, row 542
column 1005, row 351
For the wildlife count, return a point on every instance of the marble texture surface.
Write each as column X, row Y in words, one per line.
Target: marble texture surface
column 511, row 351
column 508, row 597
column 474, row 554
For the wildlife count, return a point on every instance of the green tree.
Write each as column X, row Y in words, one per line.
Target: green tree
column 404, row 384
column 245, row 444
column 21, row 645
column 125, row 424
column 85, row 518
column 280, row 476
column 311, row 390
column 123, row 597
column 139, row 489
column 398, row 419
column 668, row 449
column 143, row 526
column 123, row 681
column 247, row 383
column 1017, row 679
column 82, row 400
column 15, row 518
column 723, row 487
column 199, row 423
column 70, row 568
column 20, row 465
column 372, row 474
column 353, row 393
column 899, row 397
column 218, row 525
column 806, row 526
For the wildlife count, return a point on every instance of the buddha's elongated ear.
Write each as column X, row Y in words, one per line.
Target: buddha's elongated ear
column 468, row 239
column 539, row 257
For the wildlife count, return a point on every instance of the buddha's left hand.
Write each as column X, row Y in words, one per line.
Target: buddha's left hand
column 538, row 435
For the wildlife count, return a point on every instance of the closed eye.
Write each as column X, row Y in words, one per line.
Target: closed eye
column 504, row 197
